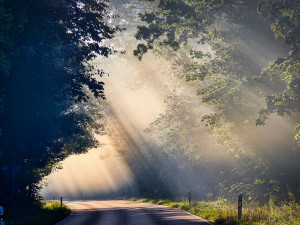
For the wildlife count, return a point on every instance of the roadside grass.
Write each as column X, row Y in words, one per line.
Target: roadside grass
column 222, row 212
column 49, row 213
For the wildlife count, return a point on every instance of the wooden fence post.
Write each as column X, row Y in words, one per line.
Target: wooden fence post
column 240, row 206
column 189, row 197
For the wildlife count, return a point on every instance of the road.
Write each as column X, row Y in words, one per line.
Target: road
column 119, row 212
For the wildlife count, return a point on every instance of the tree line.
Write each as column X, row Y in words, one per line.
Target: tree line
column 242, row 60
column 47, row 87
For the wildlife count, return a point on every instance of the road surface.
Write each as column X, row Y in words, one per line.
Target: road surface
column 119, row 212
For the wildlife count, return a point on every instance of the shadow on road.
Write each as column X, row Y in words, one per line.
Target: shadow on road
column 128, row 213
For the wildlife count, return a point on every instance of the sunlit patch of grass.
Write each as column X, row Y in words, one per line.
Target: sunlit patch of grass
column 54, row 206
column 48, row 213
column 222, row 212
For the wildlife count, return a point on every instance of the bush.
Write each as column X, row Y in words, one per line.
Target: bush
column 48, row 213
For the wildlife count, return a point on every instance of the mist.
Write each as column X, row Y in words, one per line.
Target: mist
column 157, row 143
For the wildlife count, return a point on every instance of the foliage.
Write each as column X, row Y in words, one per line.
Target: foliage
column 220, row 49
column 222, row 212
column 285, row 15
column 47, row 85
column 48, row 213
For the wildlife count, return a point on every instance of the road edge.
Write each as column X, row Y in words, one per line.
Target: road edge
column 60, row 222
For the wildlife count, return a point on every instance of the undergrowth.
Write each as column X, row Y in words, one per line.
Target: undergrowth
column 48, row 213
column 222, row 212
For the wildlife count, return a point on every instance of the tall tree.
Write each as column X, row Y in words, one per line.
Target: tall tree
column 46, row 82
column 219, row 47
column 285, row 16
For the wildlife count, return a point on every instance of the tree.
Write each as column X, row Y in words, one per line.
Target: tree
column 47, row 83
column 220, row 47
column 285, row 18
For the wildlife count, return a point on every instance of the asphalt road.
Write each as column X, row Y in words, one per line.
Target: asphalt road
column 118, row 212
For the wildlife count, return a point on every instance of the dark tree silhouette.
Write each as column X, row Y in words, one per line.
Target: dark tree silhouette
column 46, row 82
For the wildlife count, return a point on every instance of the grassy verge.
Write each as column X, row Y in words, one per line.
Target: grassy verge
column 48, row 213
column 221, row 212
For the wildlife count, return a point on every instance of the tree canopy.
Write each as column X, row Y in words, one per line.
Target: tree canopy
column 47, row 83
column 243, row 72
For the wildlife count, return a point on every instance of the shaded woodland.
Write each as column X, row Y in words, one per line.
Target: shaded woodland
column 242, row 60
column 46, row 88
column 232, row 125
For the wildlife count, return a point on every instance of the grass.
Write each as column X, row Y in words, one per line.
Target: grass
column 222, row 212
column 48, row 213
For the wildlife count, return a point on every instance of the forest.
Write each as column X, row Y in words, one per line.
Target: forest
column 231, row 122
column 242, row 60
column 45, row 85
